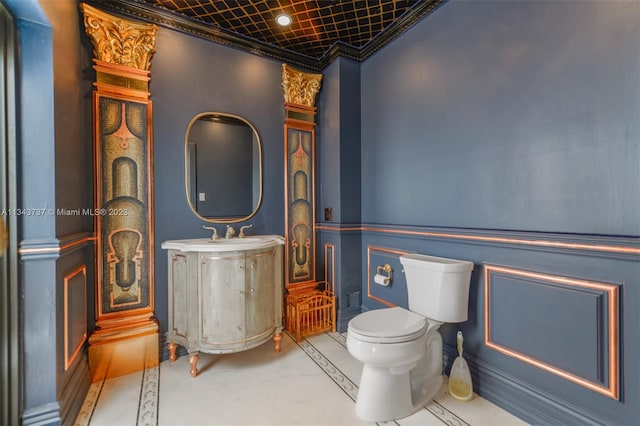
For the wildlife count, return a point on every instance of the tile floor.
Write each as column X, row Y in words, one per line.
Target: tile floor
column 313, row 382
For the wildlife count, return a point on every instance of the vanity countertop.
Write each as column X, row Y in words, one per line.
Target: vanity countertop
column 232, row 244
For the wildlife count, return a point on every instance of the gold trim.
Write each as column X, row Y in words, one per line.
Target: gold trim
column 300, row 88
column 612, row 391
column 384, row 250
column 68, row 360
column 186, row 169
column 119, row 41
column 489, row 239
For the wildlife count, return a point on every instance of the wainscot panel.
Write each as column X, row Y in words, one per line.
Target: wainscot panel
column 551, row 334
column 74, row 291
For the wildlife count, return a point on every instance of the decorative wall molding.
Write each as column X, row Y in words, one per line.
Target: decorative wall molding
column 73, row 344
column 330, row 267
column 300, row 88
column 608, row 292
column 117, row 41
column 371, row 270
column 75, row 241
column 588, row 244
column 39, row 249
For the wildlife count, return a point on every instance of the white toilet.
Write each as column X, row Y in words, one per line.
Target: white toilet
column 401, row 350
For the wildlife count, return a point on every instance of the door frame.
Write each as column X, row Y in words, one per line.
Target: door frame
column 10, row 361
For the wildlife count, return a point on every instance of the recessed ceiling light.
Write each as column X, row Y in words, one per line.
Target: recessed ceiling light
column 283, row 19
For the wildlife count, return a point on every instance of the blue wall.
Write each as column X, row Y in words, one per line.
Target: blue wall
column 190, row 76
column 507, row 133
column 50, row 169
column 507, row 115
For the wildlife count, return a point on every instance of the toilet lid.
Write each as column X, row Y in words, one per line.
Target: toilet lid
column 388, row 323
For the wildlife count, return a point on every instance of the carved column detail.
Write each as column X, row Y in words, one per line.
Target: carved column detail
column 300, row 89
column 126, row 335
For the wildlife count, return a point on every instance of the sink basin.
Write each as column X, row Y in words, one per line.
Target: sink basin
column 209, row 245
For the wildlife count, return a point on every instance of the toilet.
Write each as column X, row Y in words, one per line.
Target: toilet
column 401, row 349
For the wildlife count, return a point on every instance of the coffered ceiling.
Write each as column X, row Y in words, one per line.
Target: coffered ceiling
column 320, row 30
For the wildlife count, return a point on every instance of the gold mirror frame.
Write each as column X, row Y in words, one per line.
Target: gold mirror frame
column 186, row 169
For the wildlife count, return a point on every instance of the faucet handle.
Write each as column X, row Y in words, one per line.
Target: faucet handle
column 242, row 228
column 214, row 236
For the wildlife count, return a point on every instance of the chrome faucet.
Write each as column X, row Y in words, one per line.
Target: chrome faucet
column 242, row 228
column 214, row 236
column 230, row 232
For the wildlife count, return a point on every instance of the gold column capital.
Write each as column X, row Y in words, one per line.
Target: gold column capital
column 300, row 88
column 119, row 41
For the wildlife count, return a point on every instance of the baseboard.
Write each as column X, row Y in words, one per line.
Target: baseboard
column 527, row 402
column 43, row 415
column 344, row 316
column 75, row 392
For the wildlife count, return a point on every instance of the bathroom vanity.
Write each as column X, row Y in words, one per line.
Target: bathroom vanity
column 225, row 295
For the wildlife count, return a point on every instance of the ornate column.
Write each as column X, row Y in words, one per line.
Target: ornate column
column 126, row 333
column 300, row 91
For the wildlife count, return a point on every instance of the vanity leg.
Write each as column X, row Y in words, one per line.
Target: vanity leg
column 277, row 338
column 172, row 351
column 193, row 361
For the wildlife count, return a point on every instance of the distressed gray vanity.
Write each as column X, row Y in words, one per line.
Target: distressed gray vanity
column 225, row 295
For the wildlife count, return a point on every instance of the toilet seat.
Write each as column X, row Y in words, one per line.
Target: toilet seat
column 388, row 325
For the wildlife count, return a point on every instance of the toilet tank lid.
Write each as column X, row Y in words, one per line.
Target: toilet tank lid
column 436, row 263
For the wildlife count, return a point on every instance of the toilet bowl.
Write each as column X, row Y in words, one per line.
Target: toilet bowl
column 401, row 349
column 399, row 375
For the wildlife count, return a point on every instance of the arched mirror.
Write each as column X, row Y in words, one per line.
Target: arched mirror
column 223, row 167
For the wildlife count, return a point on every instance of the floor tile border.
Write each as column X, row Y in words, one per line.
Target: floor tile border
column 149, row 397
column 89, row 405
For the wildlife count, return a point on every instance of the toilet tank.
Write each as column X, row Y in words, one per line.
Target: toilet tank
column 437, row 288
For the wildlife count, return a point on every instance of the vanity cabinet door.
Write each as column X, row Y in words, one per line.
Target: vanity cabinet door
column 222, row 300
column 178, row 306
column 183, row 300
column 260, row 312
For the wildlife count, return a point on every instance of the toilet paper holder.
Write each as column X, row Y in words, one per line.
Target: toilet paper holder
column 384, row 271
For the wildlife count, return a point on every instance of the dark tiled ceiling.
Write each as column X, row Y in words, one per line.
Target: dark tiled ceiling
column 320, row 31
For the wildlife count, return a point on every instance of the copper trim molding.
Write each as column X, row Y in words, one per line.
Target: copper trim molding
column 489, row 239
column 613, row 388
column 73, row 243
column 329, row 252
column 384, row 250
column 68, row 359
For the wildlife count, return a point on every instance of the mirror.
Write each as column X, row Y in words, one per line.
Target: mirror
column 223, row 167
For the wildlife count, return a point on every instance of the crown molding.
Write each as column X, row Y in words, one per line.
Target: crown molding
column 146, row 12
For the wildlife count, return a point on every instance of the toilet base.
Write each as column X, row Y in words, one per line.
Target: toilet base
column 384, row 397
